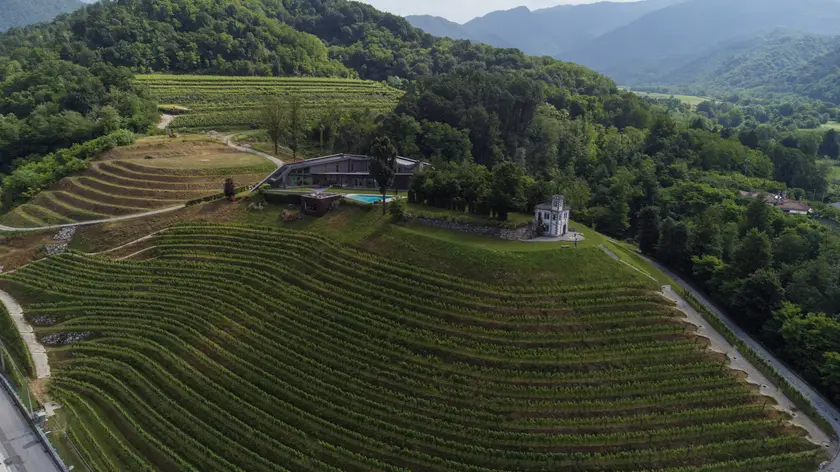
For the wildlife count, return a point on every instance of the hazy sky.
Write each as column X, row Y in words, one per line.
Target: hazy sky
column 463, row 10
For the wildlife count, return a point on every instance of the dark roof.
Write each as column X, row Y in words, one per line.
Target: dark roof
column 286, row 168
column 791, row 205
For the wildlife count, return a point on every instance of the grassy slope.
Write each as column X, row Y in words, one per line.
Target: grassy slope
column 512, row 264
column 468, row 255
column 484, row 259
column 223, row 102
column 156, row 172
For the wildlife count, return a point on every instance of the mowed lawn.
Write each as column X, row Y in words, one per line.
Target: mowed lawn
column 834, row 168
column 155, row 173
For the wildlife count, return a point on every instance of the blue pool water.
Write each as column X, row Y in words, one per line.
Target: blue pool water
column 369, row 198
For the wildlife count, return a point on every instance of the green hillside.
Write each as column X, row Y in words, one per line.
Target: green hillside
column 760, row 64
column 208, row 101
column 19, row 13
column 241, row 348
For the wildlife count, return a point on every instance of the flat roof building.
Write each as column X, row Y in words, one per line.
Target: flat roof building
column 340, row 170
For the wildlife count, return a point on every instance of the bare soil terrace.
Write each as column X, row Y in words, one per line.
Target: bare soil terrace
column 156, row 172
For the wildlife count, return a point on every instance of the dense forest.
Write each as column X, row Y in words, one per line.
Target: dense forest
column 505, row 131
column 70, row 81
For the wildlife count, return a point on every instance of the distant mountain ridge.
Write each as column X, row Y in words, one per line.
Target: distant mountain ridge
column 442, row 27
column 543, row 32
column 18, row 13
column 672, row 37
column 770, row 46
column 761, row 62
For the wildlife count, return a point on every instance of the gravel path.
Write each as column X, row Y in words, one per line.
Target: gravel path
column 228, row 140
column 614, row 257
column 820, row 403
column 96, row 222
column 36, row 349
column 754, row 376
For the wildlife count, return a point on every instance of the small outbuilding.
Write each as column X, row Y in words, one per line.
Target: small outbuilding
column 553, row 217
column 318, row 204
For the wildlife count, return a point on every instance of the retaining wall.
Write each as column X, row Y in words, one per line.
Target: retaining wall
column 524, row 232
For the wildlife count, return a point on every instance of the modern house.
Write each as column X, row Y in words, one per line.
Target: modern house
column 794, row 207
column 553, row 216
column 340, row 170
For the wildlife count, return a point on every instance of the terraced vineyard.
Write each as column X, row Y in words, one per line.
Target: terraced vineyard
column 215, row 101
column 126, row 182
column 234, row 348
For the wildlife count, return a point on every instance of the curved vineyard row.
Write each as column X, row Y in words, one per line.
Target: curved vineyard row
column 238, row 348
column 235, row 101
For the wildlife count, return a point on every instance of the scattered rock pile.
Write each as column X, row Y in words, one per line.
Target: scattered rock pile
column 288, row 216
column 44, row 320
column 56, row 249
column 64, row 235
column 64, row 339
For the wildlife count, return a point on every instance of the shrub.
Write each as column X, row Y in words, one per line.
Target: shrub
column 397, row 208
column 283, row 198
column 38, row 173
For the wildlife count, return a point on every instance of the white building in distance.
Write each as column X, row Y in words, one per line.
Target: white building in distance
column 554, row 216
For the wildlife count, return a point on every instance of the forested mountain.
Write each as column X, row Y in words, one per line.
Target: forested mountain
column 819, row 79
column 70, row 81
column 672, row 37
column 780, row 66
column 757, row 63
column 18, row 13
column 766, row 47
column 544, row 32
column 437, row 26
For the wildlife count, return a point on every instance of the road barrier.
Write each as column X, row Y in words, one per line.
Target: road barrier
column 15, row 383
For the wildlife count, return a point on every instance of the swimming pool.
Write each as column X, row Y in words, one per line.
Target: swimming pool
column 369, row 199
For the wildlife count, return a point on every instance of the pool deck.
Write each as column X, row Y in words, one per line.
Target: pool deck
column 369, row 199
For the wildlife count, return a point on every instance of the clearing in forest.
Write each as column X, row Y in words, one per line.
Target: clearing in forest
column 690, row 100
column 234, row 348
column 203, row 101
column 154, row 173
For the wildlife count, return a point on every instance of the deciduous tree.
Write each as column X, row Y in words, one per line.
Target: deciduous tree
column 649, row 227
column 294, row 126
column 383, row 166
column 272, row 118
column 507, row 192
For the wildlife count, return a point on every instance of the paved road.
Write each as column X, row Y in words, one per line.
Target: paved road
column 823, row 406
column 20, row 449
column 95, row 222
